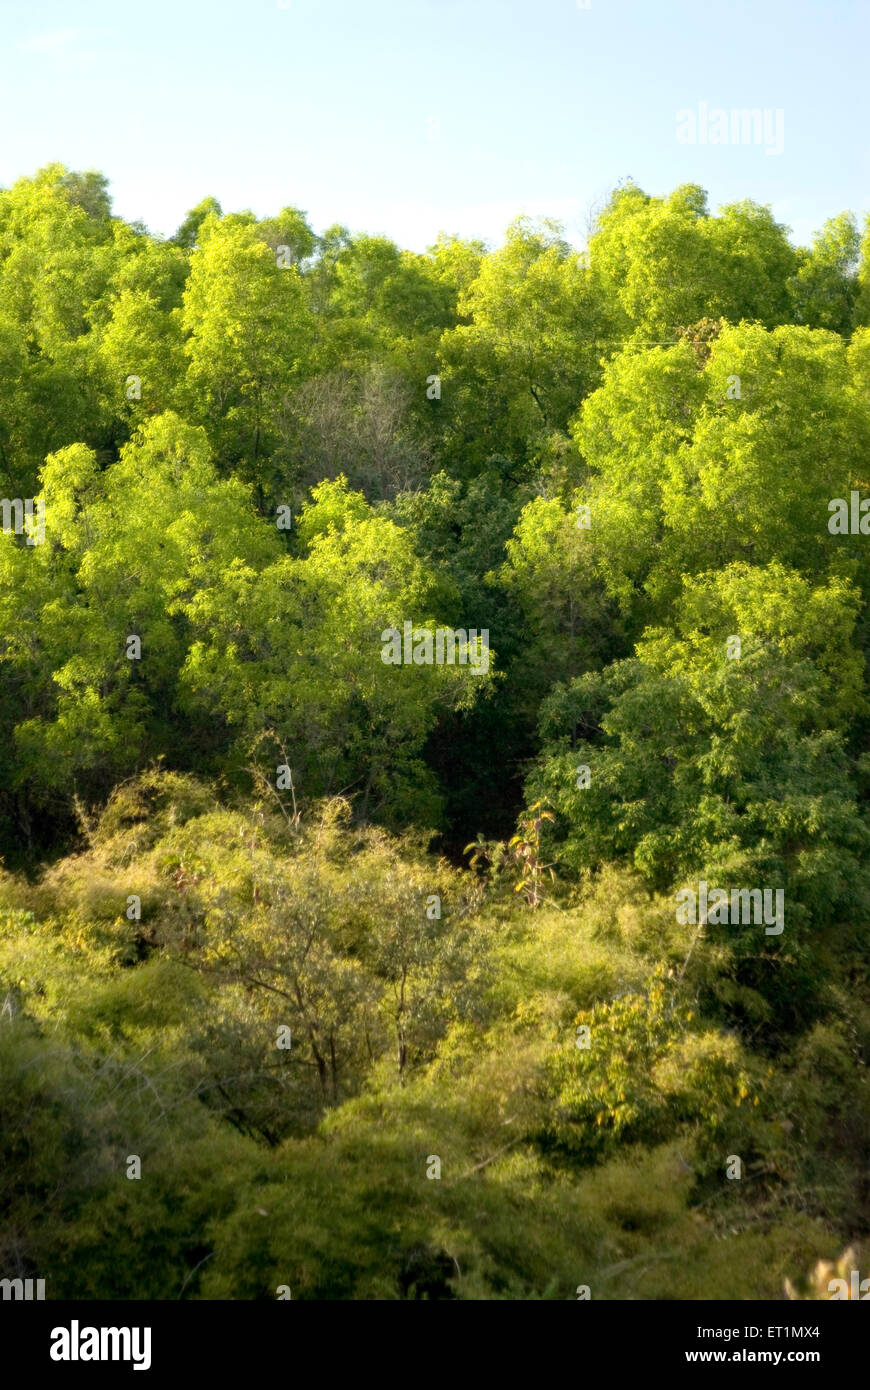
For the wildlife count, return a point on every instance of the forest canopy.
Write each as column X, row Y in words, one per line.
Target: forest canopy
column 375, row 964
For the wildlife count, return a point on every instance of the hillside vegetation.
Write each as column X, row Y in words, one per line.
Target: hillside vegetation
column 331, row 976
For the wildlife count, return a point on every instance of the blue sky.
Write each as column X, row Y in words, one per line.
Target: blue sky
column 406, row 117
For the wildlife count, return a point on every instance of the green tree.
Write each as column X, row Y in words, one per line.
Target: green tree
column 825, row 287
column 668, row 261
column 519, row 366
column 737, row 460
column 188, row 232
column 700, row 751
column 295, row 651
column 248, row 335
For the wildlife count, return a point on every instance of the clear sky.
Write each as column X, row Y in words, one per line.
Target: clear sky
column 407, row 117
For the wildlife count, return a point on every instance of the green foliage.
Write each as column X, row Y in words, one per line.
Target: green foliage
column 645, row 1072
column 695, row 757
column 527, row 353
column 825, row 288
column 248, row 332
column 735, row 462
column 227, row 944
column 667, row 261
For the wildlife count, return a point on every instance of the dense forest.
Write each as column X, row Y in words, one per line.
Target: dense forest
column 333, row 969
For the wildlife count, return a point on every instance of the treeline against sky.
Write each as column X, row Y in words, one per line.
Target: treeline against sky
column 641, row 469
